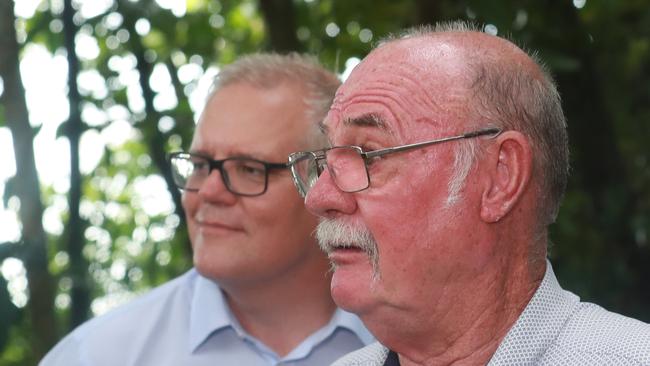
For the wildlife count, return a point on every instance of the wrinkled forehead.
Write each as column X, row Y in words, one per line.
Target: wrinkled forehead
column 430, row 54
column 404, row 82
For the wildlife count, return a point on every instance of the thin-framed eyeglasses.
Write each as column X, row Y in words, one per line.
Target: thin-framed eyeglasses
column 348, row 165
column 241, row 175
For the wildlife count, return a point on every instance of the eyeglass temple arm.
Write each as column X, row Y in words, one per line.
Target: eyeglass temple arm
column 390, row 150
column 488, row 131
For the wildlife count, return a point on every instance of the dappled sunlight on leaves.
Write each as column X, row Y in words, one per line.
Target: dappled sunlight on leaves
column 134, row 238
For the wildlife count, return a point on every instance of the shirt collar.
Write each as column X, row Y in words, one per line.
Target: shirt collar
column 538, row 325
column 351, row 322
column 341, row 321
column 208, row 312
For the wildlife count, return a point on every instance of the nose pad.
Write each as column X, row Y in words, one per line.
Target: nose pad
column 325, row 199
column 321, row 167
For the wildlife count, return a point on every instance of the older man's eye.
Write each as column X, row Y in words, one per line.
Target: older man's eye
column 374, row 159
column 371, row 160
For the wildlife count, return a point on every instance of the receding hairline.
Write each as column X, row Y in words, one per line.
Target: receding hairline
column 490, row 48
column 506, row 83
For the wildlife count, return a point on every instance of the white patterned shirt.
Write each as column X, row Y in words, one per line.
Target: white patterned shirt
column 554, row 329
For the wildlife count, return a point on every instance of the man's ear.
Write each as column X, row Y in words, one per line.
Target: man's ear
column 508, row 174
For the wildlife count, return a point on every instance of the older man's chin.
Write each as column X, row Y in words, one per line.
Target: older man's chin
column 352, row 285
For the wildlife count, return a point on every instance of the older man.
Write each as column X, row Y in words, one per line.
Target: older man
column 449, row 162
column 259, row 293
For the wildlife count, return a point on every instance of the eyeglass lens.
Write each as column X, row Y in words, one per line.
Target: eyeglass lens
column 240, row 175
column 348, row 168
column 348, row 164
column 345, row 163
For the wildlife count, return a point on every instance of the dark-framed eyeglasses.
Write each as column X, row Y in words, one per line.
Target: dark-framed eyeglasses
column 241, row 176
column 348, row 165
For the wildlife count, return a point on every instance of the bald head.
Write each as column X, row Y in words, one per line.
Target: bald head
column 486, row 80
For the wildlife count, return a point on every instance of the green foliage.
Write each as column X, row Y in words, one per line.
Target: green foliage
column 600, row 55
column 17, row 352
column 38, row 30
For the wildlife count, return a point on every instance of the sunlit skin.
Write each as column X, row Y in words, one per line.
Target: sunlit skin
column 452, row 279
column 259, row 249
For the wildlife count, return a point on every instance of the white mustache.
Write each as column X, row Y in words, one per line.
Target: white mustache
column 333, row 234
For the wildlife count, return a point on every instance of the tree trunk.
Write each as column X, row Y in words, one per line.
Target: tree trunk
column 154, row 138
column 26, row 188
column 80, row 296
column 280, row 25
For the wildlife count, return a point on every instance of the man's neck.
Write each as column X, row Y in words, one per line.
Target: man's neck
column 283, row 312
column 474, row 338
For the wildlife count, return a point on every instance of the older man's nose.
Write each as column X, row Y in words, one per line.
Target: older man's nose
column 325, row 199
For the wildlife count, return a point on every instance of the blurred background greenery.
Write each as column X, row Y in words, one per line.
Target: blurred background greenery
column 89, row 219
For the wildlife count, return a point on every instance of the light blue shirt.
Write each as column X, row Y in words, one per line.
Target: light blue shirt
column 188, row 322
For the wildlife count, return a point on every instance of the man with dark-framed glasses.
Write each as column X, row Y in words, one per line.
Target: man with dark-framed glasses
column 448, row 160
column 259, row 290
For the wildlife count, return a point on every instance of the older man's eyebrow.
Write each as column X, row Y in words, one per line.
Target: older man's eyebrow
column 366, row 120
